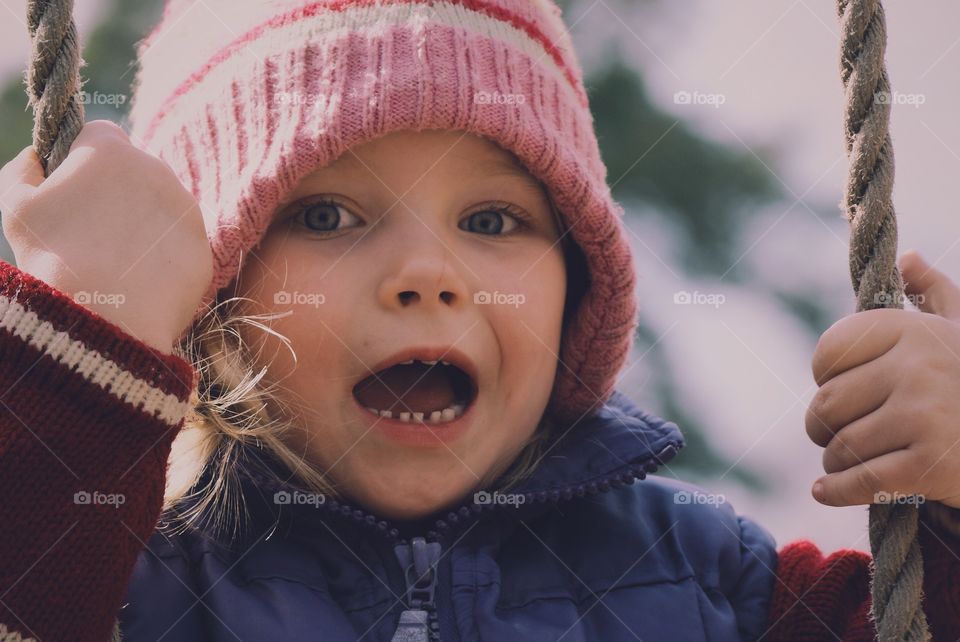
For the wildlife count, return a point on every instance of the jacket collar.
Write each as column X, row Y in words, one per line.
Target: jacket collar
column 619, row 442
column 618, row 436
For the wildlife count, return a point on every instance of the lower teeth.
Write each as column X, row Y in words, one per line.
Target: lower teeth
column 435, row 417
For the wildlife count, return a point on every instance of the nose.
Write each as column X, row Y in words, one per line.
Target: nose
column 424, row 279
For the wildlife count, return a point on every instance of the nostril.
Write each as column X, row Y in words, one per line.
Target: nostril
column 410, row 296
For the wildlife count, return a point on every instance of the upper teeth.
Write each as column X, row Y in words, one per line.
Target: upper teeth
column 427, row 363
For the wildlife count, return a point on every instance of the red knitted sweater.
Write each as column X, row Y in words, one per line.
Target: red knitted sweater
column 87, row 417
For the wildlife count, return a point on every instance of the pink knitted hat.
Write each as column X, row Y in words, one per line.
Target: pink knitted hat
column 243, row 98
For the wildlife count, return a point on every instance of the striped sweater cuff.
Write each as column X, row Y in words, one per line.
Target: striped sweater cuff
column 9, row 635
column 50, row 323
column 88, row 414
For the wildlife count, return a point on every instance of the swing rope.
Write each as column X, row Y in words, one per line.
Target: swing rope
column 53, row 80
column 53, row 86
column 897, row 566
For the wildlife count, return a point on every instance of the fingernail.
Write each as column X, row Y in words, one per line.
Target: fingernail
column 818, row 491
column 914, row 252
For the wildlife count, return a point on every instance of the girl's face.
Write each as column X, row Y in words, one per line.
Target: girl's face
column 417, row 240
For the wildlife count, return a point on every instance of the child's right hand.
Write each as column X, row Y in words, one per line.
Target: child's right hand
column 114, row 228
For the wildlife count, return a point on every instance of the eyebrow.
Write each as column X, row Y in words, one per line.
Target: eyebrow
column 508, row 168
column 500, row 167
column 493, row 167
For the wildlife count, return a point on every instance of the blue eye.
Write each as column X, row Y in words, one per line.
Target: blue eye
column 490, row 221
column 323, row 216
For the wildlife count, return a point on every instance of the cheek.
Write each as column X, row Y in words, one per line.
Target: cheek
column 529, row 328
column 544, row 288
column 314, row 287
column 280, row 280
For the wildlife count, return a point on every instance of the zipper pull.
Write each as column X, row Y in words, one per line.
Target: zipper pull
column 418, row 559
column 412, row 627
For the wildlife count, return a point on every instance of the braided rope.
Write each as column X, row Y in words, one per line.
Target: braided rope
column 53, row 79
column 897, row 568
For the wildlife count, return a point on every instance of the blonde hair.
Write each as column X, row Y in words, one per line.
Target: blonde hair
column 234, row 407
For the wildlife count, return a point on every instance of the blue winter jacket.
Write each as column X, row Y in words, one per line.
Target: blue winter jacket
column 590, row 548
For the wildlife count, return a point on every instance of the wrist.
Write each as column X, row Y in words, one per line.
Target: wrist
column 153, row 336
column 156, row 338
column 161, row 344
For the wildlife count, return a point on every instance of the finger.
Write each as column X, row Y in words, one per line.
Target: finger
column 95, row 134
column 847, row 397
column 96, row 129
column 889, row 473
column 932, row 290
column 866, row 438
column 23, row 169
column 18, row 178
column 854, row 340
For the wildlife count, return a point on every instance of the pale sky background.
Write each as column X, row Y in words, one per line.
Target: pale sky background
column 776, row 64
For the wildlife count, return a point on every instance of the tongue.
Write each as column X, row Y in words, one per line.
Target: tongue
column 406, row 388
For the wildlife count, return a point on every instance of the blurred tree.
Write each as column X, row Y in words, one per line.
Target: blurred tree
column 705, row 189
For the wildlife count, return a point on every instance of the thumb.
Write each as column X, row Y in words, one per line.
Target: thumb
column 24, row 170
column 932, row 290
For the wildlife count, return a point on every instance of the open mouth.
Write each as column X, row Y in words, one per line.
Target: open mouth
column 417, row 391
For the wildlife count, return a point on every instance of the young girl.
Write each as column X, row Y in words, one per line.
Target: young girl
column 369, row 309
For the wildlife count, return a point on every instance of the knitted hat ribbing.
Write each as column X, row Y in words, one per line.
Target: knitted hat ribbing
column 243, row 99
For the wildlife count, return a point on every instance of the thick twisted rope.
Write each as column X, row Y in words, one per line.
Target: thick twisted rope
column 53, row 79
column 897, row 582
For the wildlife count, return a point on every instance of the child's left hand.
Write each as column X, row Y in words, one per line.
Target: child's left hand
column 888, row 408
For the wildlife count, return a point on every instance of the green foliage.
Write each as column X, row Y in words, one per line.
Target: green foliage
column 110, row 53
column 17, row 119
column 706, row 189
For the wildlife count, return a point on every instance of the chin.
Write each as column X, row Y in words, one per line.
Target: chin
column 412, row 498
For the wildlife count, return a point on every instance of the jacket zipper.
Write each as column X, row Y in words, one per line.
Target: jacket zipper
column 419, row 557
column 418, row 623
